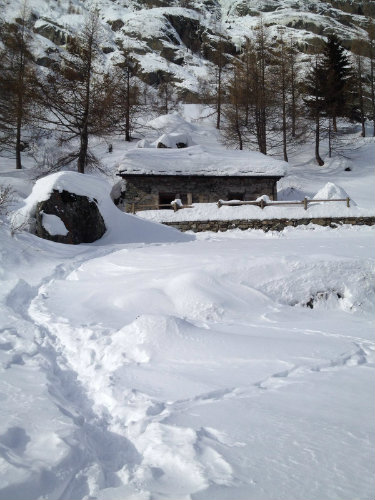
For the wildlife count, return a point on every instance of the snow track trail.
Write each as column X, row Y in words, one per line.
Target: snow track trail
column 76, row 463
column 189, row 371
column 190, row 329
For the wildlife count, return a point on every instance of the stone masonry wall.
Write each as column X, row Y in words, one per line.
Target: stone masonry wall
column 267, row 224
column 144, row 190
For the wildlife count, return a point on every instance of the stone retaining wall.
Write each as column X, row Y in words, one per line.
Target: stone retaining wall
column 267, row 224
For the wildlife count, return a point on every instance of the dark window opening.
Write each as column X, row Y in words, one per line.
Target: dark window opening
column 236, row 196
column 166, row 199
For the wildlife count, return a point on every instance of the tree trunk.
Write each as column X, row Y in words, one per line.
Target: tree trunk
column 293, row 107
column 238, row 129
column 83, row 150
column 372, row 84
column 334, row 123
column 127, row 111
column 329, row 139
column 18, row 145
column 284, row 131
column 283, row 91
column 218, row 106
column 360, row 95
column 317, row 140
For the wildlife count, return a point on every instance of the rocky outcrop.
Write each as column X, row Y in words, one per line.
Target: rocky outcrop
column 78, row 214
column 51, row 31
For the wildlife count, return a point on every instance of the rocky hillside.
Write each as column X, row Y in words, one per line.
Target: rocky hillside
column 179, row 37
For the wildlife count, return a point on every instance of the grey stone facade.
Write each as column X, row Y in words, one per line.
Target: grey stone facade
column 152, row 190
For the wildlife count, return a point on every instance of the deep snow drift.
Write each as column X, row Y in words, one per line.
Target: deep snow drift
column 238, row 365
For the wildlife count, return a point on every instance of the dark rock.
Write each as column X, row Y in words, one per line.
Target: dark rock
column 116, row 25
column 53, row 32
column 80, row 215
column 189, row 30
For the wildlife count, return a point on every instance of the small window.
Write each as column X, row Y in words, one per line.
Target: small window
column 166, row 199
column 235, row 196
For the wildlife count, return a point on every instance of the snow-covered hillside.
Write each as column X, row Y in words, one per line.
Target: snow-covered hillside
column 179, row 37
column 163, row 366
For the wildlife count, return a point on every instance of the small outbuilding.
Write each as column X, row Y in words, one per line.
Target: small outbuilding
column 196, row 174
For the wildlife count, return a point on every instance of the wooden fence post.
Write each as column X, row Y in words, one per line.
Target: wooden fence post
column 305, row 203
column 348, row 202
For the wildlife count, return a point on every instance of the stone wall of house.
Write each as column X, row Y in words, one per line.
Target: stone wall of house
column 144, row 190
column 267, row 224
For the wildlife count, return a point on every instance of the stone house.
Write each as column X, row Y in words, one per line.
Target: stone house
column 196, row 174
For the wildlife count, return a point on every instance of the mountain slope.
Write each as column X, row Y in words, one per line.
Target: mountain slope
column 179, row 37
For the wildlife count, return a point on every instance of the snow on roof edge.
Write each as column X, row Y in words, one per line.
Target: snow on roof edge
column 201, row 161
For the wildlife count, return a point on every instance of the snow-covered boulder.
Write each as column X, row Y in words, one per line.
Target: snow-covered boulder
column 67, row 217
column 119, row 226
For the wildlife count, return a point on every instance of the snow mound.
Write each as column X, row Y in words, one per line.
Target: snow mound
column 331, row 191
column 121, row 227
column 174, row 140
column 171, row 123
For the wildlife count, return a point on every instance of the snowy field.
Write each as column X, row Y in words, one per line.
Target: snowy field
column 236, row 365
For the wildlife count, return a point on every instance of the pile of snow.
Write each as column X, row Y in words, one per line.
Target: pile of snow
column 121, row 227
column 200, row 160
column 171, row 123
column 172, row 140
column 331, row 191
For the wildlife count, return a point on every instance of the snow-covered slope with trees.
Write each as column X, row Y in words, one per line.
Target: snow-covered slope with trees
column 179, row 38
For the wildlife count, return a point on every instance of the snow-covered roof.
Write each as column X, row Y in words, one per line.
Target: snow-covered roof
column 199, row 160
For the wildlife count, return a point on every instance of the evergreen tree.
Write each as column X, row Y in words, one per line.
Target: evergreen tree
column 338, row 74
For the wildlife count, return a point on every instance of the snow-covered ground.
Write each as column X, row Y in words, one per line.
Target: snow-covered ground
column 230, row 365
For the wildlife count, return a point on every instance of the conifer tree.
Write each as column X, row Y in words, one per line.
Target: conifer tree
column 338, row 73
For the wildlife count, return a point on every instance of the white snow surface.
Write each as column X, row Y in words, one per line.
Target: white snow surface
column 152, row 365
column 199, row 160
column 54, row 225
column 197, row 369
